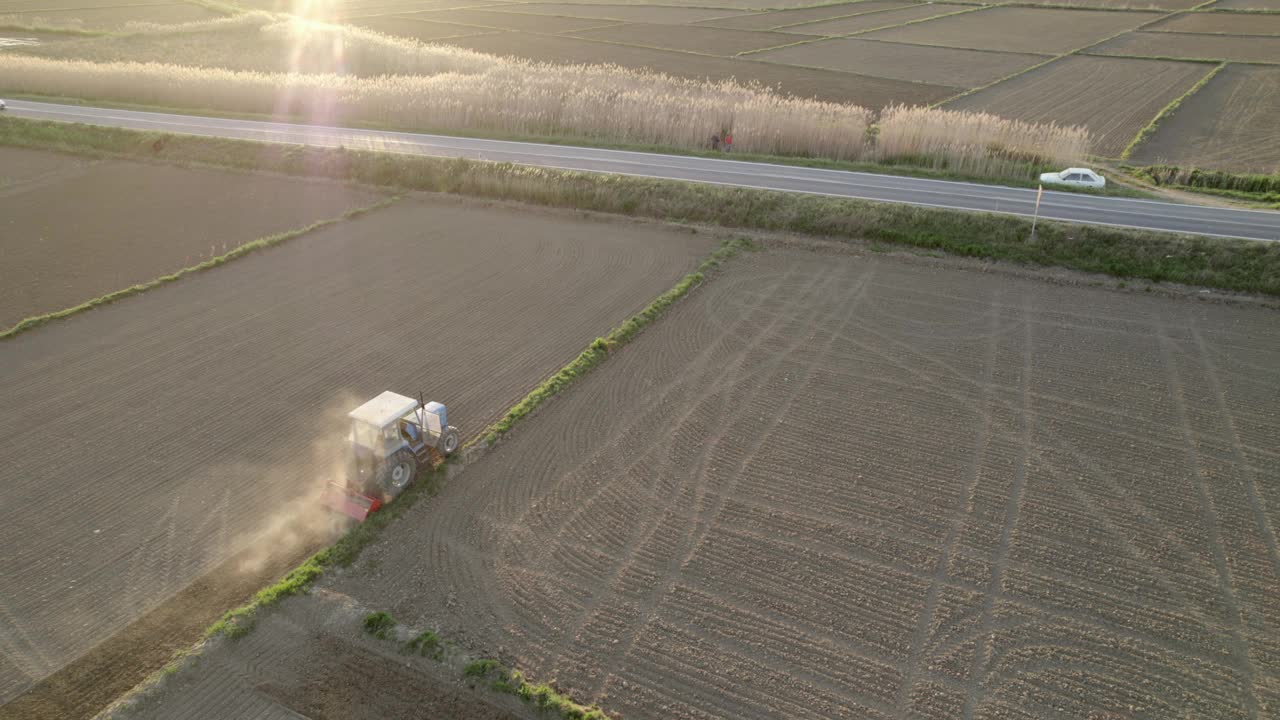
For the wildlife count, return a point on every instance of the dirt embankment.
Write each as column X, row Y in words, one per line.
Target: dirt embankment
column 159, row 435
column 838, row 486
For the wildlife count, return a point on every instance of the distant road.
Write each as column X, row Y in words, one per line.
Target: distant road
column 1070, row 207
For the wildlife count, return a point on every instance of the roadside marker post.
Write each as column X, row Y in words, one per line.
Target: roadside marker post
column 1036, row 218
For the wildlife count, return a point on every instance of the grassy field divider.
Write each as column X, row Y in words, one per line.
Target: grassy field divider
column 541, row 696
column 1150, row 128
column 239, row 621
column 601, row 347
column 239, row 251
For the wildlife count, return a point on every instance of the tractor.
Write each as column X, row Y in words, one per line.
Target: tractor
column 392, row 436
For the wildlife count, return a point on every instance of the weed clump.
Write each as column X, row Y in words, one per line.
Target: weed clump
column 379, row 624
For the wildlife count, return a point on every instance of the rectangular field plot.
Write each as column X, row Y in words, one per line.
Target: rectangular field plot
column 1224, row 23
column 627, row 13
column 690, row 38
column 510, row 21
column 1229, row 124
column 862, row 90
column 782, row 18
column 1113, row 97
column 856, row 487
column 1247, row 5
column 216, row 402
column 1194, row 46
column 114, row 18
column 1122, row 4
column 1016, row 29
column 423, row 30
column 872, row 21
column 75, row 230
column 940, row 66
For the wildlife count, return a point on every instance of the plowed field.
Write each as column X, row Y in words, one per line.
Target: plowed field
column 626, row 13
column 941, row 66
column 771, row 20
column 831, row 487
column 157, row 435
column 1113, row 97
column 1194, row 46
column 1015, row 29
column 424, row 30
column 871, row 92
column 873, row 21
column 73, row 229
column 114, row 18
column 1229, row 124
column 690, row 38
column 511, row 21
column 1229, row 23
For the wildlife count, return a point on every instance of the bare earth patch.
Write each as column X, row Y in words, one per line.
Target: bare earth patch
column 1194, row 46
column 664, row 14
column 423, row 30
column 1113, row 97
column 1017, row 29
column 1229, row 23
column 511, row 21
column 873, row 21
column 690, row 38
column 72, row 229
column 861, row 90
column 1229, row 124
column 115, row 18
column 941, row 66
column 206, row 411
column 836, row 486
column 782, row 18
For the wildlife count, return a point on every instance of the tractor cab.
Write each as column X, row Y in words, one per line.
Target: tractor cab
column 392, row 436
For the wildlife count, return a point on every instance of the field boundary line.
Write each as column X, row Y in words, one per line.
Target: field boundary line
column 835, row 17
column 239, row 251
column 1150, row 128
column 967, row 9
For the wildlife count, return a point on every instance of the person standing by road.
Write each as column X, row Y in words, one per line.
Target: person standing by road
column 728, row 141
column 715, row 141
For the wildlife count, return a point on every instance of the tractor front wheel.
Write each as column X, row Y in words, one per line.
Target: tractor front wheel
column 397, row 473
column 448, row 441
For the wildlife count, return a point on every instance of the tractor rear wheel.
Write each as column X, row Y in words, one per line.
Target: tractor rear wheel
column 397, row 473
column 448, row 441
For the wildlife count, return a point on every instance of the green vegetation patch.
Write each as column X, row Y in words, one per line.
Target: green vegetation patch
column 379, row 624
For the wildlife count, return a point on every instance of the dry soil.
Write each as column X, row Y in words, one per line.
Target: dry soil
column 834, row 486
column 158, row 435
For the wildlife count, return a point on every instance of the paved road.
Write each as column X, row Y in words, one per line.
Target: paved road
column 1221, row 222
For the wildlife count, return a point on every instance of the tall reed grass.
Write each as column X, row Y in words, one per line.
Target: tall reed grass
column 974, row 143
column 337, row 73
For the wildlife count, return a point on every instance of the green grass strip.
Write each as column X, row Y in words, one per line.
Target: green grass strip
column 1168, row 110
column 240, row 251
column 239, row 621
column 601, row 347
column 1223, row 263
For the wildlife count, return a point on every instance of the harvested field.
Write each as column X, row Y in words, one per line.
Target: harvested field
column 511, row 21
column 690, row 38
column 127, row 223
column 10, row 6
column 1114, row 98
column 782, row 18
column 661, row 14
column 1229, row 124
column 211, row 398
column 802, row 82
column 873, row 21
column 1123, row 4
column 1247, row 5
column 940, row 66
column 1194, row 46
column 113, row 18
column 834, row 486
column 1222, row 23
column 422, row 30
column 1017, row 29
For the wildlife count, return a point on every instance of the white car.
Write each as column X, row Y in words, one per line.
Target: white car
column 2, row 105
column 1076, row 177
